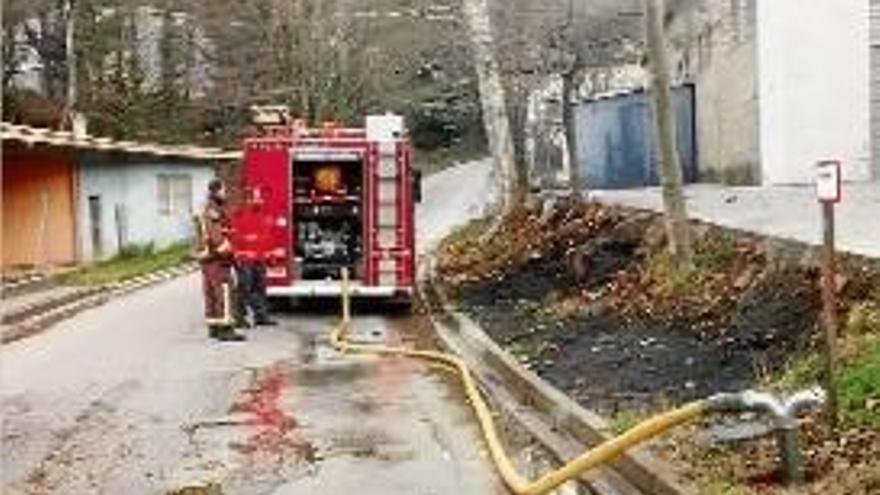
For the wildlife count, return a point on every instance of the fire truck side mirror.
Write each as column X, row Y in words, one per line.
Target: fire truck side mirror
column 417, row 185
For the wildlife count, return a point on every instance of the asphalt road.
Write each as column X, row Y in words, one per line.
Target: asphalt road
column 133, row 398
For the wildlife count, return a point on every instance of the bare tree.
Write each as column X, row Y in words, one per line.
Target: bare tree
column 139, row 62
column 570, row 93
column 494, row 104
column 677, row 229
column 70, row 57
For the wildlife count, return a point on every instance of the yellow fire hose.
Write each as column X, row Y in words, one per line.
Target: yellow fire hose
column 596, row 456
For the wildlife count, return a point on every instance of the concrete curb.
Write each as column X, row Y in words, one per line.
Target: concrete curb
column 24, row 284
column 89, row 298
column 28, row 311
column 640, row 468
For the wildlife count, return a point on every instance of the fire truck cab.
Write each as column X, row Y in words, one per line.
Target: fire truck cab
column 333, row 198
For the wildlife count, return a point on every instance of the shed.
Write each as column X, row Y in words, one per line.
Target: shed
column 70, row 199
column 38, row 206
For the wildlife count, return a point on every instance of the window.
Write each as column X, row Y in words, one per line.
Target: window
column 174, row 194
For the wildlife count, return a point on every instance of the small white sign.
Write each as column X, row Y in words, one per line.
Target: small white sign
column 828, row 181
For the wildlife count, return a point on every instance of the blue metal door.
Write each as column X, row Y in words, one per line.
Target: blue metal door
column 615, row 140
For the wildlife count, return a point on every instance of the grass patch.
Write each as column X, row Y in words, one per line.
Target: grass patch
column 671, row 278
column 712, row 255
column 800, row 371
column 131, row 262
column 726, row 488
column 859, row 387
column 864, row 317
column 528, row 351
column 858, row 380
column 623, row 420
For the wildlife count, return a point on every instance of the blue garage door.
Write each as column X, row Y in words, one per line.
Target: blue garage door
column 615, row 140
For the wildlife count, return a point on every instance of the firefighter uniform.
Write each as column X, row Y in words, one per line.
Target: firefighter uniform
column 216, row 259
column 250, row 239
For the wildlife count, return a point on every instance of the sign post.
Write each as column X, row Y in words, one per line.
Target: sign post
column 828, row 193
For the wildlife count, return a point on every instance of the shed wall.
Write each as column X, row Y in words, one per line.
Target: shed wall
column 38, row 221
column 130, row 209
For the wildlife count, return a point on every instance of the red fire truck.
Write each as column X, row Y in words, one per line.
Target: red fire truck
column 333, row 198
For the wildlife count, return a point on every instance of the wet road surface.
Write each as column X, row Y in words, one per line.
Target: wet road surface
column 132, row 398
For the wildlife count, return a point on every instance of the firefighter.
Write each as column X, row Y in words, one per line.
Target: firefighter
column 250, row 240
column 216, row 259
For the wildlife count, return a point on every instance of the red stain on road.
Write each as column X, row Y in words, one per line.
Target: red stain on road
column 275, row 436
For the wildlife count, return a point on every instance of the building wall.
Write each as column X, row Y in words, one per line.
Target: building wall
column 714, row 47
column 814, row 87
column 130, row 208
column 38, row 217
column 546, row 150
column 875, row 87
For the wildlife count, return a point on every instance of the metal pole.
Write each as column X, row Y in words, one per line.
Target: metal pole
column 829, row 310
column 346, row 298
column 789, row 449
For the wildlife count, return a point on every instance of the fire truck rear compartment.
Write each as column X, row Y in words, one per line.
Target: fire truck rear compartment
column 327, row 218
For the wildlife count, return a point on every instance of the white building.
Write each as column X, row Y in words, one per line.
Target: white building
column 780, row 85
column 875, row 86
column 70, row 199
column 135, row 200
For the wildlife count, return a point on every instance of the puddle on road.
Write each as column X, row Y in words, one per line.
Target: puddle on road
column 368, row 443
column 207, row 489
column 269, row 439
column 323, row 376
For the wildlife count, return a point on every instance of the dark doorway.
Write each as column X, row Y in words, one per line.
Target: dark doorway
column 95, row 226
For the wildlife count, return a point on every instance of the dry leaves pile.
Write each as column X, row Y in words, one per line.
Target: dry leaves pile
column 527, row 235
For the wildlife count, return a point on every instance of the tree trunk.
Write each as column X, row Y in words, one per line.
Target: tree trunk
column 569, row 94
column 493, row 103
column 677, row 229
column 70, row 56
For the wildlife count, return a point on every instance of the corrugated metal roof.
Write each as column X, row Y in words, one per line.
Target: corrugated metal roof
column 36, row 135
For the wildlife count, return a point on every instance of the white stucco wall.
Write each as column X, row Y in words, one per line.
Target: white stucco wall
column 813, row 60
column 134, row 187
column 714, row 46
column 875, row 87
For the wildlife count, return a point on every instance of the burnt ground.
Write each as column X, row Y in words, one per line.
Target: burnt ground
column 608, row 362
column 587, row 297
column 598, row 326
